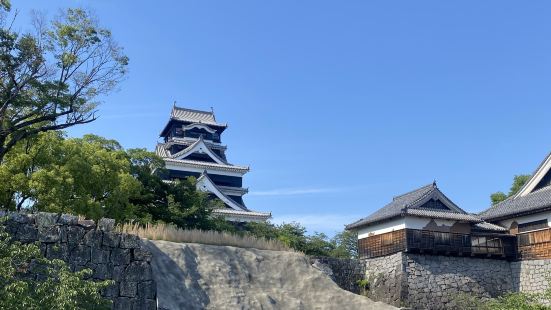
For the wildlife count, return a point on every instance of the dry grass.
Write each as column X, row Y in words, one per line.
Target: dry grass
column 172, row 233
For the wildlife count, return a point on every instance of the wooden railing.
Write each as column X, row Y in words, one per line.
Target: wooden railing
column 535, row 244
column 382, row 244
column 434, row 242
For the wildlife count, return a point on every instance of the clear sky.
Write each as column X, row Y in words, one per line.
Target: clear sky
column 339, row 105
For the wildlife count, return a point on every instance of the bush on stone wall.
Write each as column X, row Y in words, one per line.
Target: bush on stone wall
column 510, row 301
column 30, row 281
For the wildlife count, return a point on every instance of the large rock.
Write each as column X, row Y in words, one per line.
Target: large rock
column 195, row 276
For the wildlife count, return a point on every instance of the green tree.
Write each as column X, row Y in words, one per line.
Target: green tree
column 88, row 176
column 176, row 202
column 345, row 245
column 59, row 288
column 51, row 79
column 518, row 182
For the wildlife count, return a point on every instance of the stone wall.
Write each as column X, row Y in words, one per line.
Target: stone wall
column 531, row 276
column 345, row 272
column 435, row 282
column 386, row 278
column 83, row 244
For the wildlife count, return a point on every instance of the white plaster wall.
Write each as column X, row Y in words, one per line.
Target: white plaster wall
column 527, row 218
column 395, row 224
column 410, row 222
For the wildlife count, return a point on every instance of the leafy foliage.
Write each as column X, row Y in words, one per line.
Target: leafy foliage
column 343, row 245
column 95, row 177
column 518, row 183
column 51, row 79
column 55, row 286
column 510, row 301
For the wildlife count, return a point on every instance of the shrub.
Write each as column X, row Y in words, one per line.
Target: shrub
column 30, row 281
column 168, row 232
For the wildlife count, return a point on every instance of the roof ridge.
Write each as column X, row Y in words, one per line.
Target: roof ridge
column 192, row 110
column 542, row 163
column 412, row 191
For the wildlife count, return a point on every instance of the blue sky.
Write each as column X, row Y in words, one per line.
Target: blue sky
column 339, row 105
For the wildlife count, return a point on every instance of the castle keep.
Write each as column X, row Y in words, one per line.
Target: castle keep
column 192, row 147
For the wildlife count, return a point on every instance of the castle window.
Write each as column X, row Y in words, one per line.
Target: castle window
column 535, row 225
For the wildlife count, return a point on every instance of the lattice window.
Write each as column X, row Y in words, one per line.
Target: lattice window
column 535, row 225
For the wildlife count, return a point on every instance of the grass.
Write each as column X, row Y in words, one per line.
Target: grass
column 161, row 231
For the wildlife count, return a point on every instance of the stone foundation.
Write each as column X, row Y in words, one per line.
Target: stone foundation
column 531, row 276
column 386, row 278
column 83, row 244
column 435, row 282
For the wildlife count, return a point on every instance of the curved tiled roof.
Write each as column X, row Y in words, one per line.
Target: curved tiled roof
column 489, row 227
column 249, row 214
column 529, row 199
column 539, row 200
column 194, row 116
column 411, row 203
column 206, row 165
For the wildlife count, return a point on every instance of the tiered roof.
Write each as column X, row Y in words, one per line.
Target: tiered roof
column 192, row 117
column 235, row 209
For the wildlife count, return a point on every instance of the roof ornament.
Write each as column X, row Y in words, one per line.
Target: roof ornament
column 434, row 183
column 212, row 111
column 174, row 104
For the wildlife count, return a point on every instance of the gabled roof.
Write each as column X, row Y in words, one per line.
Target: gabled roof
column 200, row 147
column 194, row 116
column 204, row 182
column 413, row 204
column 533, row 197
column 537, row 177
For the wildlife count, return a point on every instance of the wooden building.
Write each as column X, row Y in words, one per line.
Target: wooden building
column 192, row 147
column 426, row 221
column 528, row 214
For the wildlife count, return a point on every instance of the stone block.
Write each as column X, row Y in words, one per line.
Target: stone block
column 27, row 233
column 106, row 224
column 122, row 303
column 147, row 290
column 111, row 239
column 99, row 256
column 68, row 219
column 128, row 289
column 19, row 218
column 93, row 238
column 111, row 291
column 49, row 234
column 86, row 224
column 57, row 251
column 130, row 241
column 145, row 304
column 75, row 235
column 80, row 255
column 102, row 271
column 120, row 256
column 44, row 219
column 137, row 271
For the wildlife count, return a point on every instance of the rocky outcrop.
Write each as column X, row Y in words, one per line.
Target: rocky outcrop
column 83, row 244
column 347, row 273
column 196, row 276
